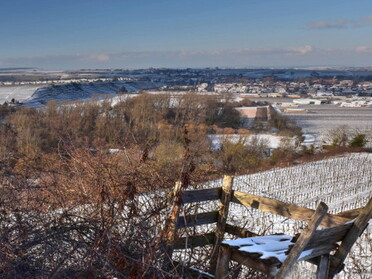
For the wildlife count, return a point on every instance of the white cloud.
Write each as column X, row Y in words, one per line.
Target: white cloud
column 324, row 24
column 363, row 49
column 297, row 50
column 99, row 57
column 340, row 23
column 303, row 49
column 238, row 57
column 368, row 18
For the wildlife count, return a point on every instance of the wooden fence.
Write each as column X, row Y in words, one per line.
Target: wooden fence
column 334, row 223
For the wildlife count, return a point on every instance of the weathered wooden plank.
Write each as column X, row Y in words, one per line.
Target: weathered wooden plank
column 358, row 226
column 331, row 235
column 323, row 267
column 350, row 214
column 284, row 209
column 222, row 218
column 302, row 241
column 336, row 232
column 265, row 266
column 317, row 251
column 197, row 219
column 194, row 241
column 239, row 232
column 201, row 195
column 223, row 263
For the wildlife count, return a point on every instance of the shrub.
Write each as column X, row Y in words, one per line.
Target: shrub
column 358, row 141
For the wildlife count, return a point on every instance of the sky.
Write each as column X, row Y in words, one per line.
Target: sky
column 70, row 34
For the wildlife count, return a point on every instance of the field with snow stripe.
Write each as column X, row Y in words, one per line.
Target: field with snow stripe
column 327, row 117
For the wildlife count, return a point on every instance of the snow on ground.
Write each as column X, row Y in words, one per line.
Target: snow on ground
column 271, row 141
column 325, row 118
column 38, row 96
column 19, row 93
column 80, row 91
column 309, row 140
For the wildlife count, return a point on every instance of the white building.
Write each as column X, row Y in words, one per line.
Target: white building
column 307, row 101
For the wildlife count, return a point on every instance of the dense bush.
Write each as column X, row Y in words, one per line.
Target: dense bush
column 358, row 141
column 153, row 123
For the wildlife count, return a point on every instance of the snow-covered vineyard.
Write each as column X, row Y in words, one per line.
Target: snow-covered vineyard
column 343, row 183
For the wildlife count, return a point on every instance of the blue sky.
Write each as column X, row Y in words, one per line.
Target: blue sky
column 68, row 34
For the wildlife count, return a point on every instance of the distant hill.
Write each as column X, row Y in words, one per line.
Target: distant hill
column 16, row 69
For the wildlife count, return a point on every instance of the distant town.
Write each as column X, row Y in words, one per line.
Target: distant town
column 346, row 88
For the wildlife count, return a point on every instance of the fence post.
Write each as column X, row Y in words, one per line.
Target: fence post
column 170, row 227
column 360, row 223
column 323, row 267
column 225, row 199
column 302, row 241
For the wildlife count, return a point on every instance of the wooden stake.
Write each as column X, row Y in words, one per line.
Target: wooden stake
column 223, row 263
column 302, row 241
column 171, row 224
column 323, row 267
column 222, row 218
column 356, row 230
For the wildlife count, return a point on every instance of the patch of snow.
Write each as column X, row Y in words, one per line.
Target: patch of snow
column 270, row 246
column 271, row 141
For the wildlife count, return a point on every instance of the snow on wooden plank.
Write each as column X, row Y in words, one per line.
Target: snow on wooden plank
column 266, row 247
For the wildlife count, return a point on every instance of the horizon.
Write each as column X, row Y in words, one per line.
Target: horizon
column 195, row 34
column 294, row 68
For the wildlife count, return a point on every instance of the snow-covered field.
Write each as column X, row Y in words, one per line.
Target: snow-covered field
column 37, row 96
column 343, row 183
column 19, row 93
column 323, row 118
column 83, row 91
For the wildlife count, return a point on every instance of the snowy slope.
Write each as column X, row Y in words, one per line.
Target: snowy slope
column 20, row 93
column 83, row 91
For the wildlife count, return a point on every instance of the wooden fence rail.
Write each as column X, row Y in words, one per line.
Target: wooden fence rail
column 195, row 241
column 269, row 205
column 285, row 209
column 211, row 194
column 197, row 219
